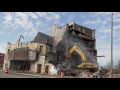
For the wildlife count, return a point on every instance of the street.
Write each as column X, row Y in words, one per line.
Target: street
column 24, row 75
column 16, row 75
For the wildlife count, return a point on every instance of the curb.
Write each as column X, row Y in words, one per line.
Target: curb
column 32, row 75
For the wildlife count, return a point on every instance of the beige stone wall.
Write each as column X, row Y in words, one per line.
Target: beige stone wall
column 32, row 46
column 47, row 64
column 41, row 61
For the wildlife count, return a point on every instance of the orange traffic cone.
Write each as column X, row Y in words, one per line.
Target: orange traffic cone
column 62, row 74
column 88, row 76
column 6, row 70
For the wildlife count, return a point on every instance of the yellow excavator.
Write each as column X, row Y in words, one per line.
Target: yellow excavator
column 84, row 64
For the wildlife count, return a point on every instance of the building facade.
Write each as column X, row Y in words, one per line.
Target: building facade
column 27, row 56
column 72, row 34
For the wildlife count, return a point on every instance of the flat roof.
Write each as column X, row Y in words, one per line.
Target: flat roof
column 2, row 54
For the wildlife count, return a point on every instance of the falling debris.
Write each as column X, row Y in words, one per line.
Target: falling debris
column 53, row 71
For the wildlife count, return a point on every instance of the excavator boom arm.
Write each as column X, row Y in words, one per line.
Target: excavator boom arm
column 78, row 50
column 81, row 54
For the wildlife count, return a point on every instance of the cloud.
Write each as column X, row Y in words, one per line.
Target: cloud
column 70, row 17
column 33, row 15
column 1, row 32
column 52, row 16
column 103, row 37
column 2, row 47
column 29, row 34
column 116, row 20
column 34, row 30
column 116, row 27
column 31, row 21
column 7, row 17
column 21, row 15
column 90, row 22
column 98, row 14
column 117, row 40
column 103, row 48
column 24, row 23
column 48, row 15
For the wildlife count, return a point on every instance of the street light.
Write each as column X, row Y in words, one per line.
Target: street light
column 111, row 46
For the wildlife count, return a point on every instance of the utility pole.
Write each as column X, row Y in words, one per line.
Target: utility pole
column 111, row 66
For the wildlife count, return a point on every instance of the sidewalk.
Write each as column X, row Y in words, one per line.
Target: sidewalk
column 37, row 75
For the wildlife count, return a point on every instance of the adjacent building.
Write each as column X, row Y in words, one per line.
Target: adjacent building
column 27, row 56
column 1, row 59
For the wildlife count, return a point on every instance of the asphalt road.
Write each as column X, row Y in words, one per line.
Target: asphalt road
column 10, row 75
column 24, row 75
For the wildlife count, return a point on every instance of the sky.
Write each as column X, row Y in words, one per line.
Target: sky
column 13, row 24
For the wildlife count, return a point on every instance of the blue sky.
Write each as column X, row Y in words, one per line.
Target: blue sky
column 13, row 24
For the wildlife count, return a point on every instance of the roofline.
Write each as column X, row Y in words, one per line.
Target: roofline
column 2, row 54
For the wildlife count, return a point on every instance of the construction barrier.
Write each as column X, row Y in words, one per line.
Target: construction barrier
column 62, row 74
column 6, row 70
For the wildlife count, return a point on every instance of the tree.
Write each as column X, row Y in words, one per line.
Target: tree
column 118, row 64
column 107, row 66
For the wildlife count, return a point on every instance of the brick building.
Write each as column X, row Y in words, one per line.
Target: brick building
column 1, row 59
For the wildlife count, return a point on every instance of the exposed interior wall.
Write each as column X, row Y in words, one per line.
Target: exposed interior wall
column 19, row 65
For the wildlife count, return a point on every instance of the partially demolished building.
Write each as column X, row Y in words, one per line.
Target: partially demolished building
column 66, row 37
column 44, row 51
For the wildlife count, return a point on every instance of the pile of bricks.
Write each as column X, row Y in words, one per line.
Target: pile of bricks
column 72, row 72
